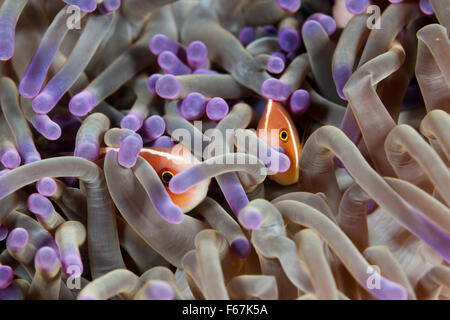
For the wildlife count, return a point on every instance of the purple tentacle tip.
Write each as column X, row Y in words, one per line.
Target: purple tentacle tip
column 241, row 248
column 275, row 65
column 168, row 87
column 166, row 208
column 7, row 38
column 193, row 107
column 271, row 29
column 87, row 297
column 197, row 54
column 88, row 150
column 341, row 74
column 3, row 232
column 159, row 290
column 12, row 292
column 160, row 43
column 182, row 181
column 299, row 102
column 370, row 206
column 163, row 142
column 246, row 35
column 151, row 82
column 154, row 127
column 84, row 5
column 28, row 152
column 327, row 22
column 171, row 64
column 109, row 6
column 10, row 158
column 71, row 261
column 17, row 239
column 82, row 103
column 7, row 47
column 43, row 103
column 250, row 219
column 46, row 187
column 6, row 276
column 129, row 150
column 40, row 205
column 132, row 121
column 311, row 28
column 356, row 6
column 289, row 5
column 45, row 126
column 27, row 88
column 426, row 7
column 46, row 259
column 275, row 89
column 280, row 55
column 387, row 290
column 217, row 109
column 275, row 161
column 289, row 39
column 282, row 164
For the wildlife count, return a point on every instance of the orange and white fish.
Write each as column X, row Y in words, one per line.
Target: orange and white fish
column 167, row 162
column 276, row 117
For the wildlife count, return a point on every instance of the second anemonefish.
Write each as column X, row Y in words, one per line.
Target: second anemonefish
column 276, row 117
column 167, row 162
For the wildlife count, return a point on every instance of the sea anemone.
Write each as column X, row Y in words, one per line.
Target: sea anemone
column 224, row 149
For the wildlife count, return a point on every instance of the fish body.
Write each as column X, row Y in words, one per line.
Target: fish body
column 275, row 117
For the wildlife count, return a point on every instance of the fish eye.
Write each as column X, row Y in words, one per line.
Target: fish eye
column 166, row 176
column 284, row 135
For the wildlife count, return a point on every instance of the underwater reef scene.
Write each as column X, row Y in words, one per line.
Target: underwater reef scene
column 224, row 149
